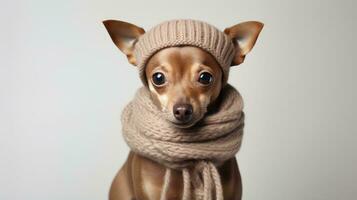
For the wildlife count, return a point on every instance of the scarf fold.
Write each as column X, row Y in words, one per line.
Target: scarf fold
column 196, row 151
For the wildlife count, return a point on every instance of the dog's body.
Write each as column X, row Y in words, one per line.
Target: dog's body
column 142, row 179
column 184, row 82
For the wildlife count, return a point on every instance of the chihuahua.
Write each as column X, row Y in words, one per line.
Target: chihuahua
column 169, row 73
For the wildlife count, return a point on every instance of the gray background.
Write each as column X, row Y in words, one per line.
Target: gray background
column 64, row 84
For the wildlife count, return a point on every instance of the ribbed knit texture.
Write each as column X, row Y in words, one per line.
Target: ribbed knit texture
column 185, row 32
column 195, row 151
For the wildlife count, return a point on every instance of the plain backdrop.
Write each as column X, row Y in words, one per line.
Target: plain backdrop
column 64, row 84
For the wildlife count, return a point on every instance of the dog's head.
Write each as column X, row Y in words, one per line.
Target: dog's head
column 184, row 80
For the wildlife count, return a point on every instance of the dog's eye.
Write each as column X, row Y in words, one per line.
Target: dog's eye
column 158, row 78
column 205, row 78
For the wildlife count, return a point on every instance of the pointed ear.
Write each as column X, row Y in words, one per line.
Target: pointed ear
column 124, row 36
column 244, row 36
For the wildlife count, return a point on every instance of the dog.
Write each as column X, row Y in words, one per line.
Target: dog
column 186, row 82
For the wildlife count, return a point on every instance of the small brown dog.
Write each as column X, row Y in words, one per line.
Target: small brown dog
column 170, row 72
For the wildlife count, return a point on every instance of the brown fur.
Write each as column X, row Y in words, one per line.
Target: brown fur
column 182, row 66
column 142, row 179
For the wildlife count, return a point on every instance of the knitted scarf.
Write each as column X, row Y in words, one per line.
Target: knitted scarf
column 196, row 151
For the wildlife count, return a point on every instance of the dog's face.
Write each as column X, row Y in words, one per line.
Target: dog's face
column 184, row 81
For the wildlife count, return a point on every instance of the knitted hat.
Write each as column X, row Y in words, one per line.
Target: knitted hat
column 182, row 32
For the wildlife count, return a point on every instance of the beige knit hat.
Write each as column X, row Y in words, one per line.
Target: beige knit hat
column 185, row 32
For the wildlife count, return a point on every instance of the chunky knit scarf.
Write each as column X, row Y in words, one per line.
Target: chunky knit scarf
column 196, row 151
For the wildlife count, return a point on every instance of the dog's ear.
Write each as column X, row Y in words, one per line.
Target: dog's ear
column 124, row 36
column 244, row 36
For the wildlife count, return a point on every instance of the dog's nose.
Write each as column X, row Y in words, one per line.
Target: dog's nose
column 183, row 112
